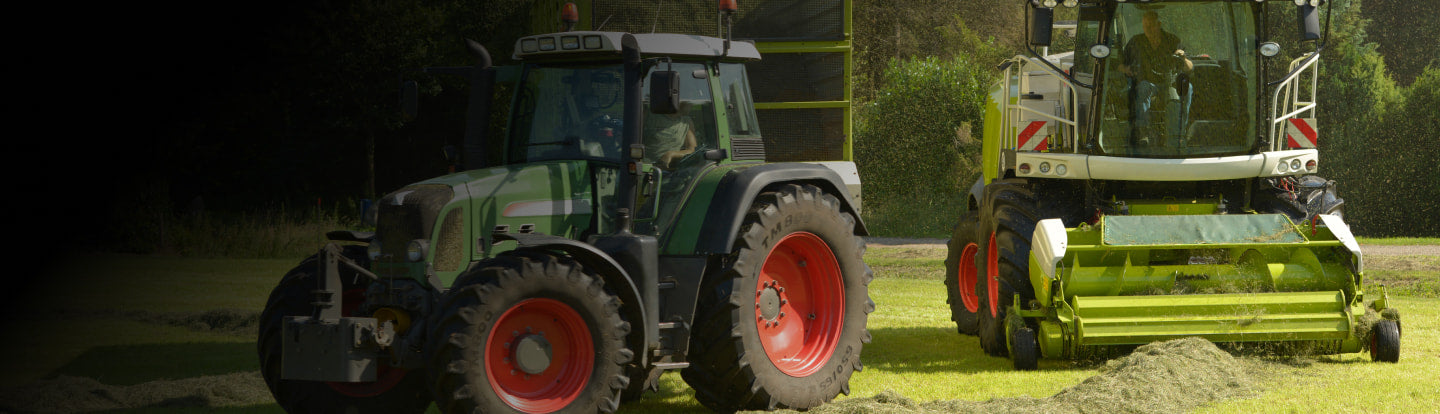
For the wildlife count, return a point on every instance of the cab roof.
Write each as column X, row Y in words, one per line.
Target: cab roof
column 581, row 44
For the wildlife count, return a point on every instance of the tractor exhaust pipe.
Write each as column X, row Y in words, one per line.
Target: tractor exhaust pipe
column 477, row 117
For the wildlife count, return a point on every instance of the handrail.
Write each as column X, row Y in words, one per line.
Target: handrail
column 1290, row 89
column 1013, row 110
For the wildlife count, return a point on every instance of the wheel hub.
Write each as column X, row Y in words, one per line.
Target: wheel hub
column 769, row 303
column 532, row 354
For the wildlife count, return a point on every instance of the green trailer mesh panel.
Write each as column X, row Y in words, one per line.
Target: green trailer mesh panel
column 803, row 134
column 1208, row 229
column 769, row 20
column 798, row 77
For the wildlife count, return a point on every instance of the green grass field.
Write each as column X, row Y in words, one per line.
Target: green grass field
column 169, row 334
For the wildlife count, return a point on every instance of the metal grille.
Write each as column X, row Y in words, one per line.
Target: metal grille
column 408, row 214
column 803, row 134
column 450, row 245
column 798, row 77
column 747, row 149
column 771, row 20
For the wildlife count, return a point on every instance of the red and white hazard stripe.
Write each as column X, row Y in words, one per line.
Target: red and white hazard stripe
column 1300, row 133
column 1028, row 140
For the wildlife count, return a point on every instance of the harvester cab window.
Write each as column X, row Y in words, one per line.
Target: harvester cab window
column 1178, row 84
column 567, row 113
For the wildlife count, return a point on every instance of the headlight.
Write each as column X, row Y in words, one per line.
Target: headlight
column 1269, row 49
column 1050, row 3
column 1100, row 51
column 373, row 250
column 1072, row 3
column 1060, row 169
column 1044, row 168
column 1025, row 168
column 1295, row 164
column 415, row 251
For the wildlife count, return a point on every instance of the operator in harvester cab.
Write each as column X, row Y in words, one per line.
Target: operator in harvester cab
column 669, row 137
column 1153, row 60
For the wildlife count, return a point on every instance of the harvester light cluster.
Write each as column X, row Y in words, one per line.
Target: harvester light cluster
column 1315, row 3
column 1044, row 168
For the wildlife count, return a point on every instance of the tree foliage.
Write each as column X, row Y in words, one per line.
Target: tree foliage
column 913, row 143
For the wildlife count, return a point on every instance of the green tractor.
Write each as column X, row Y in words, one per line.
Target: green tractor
column 632, row 228
column 1158, row 181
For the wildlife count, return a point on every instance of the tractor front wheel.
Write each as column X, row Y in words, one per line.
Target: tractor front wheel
column 783, row 323
column 529, row 332
column 394, row 391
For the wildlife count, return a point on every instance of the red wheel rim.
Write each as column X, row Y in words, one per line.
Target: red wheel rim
column 799, row 304
column 966, row 278
column 544, row 387
column 385, row 376
column 992, row 277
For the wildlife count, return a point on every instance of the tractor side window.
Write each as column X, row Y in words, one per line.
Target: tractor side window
column 672, row 138
column 739, row 106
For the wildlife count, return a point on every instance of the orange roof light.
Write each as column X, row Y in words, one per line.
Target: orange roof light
column 570, row 15
column 728, row 6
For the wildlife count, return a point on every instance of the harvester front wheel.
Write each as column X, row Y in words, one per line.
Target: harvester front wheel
column 1385, row 341
column 1026, row 350
column 394, row 391
column 1007, row 221
column 783, row 323
column 960, row 274
column 529, row 332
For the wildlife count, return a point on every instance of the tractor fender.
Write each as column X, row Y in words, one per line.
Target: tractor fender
column 610, row 271
column 738, row 189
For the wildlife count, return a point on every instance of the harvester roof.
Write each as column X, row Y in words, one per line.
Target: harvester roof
column 567, row 45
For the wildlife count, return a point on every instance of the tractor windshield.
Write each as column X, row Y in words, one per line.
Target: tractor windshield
column 568, row 113
column 1181, row 81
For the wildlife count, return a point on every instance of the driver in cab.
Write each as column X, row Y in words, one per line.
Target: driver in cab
column 669, row 137
column 1153, row 59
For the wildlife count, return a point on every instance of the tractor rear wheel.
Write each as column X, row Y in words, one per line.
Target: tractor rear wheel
column 783, row 323
column 395, row 390
column 529, row 332
column 1007, row 222
column 960, row 274
column 1385, row 341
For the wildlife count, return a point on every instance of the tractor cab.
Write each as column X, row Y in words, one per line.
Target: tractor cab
column 570, row 106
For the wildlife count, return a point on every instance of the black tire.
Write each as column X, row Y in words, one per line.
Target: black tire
column 1385, row 341
column 570, row 305
column 961, row 276
column 1007, row 222
column 1026, row 354
column 397, row 391
column 815, row 250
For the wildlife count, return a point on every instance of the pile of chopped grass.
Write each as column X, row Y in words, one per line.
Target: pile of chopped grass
column 1164, row 377
column 66, row 394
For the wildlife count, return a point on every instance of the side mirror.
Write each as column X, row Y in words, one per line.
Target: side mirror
column 664, row 92
column 1041, row 20
column 409, row 99
column 1309, row 18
